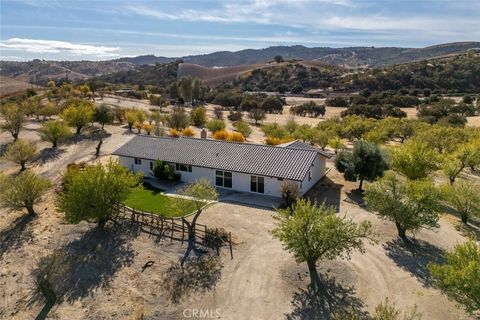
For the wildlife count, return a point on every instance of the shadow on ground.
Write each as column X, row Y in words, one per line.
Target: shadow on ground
column 326, row 191
column 415, row 257
column 336, row 298
column 12, row 238
column 76, row 269
column 49, row 154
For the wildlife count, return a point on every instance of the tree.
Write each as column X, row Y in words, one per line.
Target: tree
column 103, row 115
column 218, row 112
column 365, row 162
column 314, row 233
column 257, row 115
column 78, row 113
column 459, row 276
column 278, row 59
column 200, row 194
column 464, row 197
column 336, row 143
column 414, row 159
column 215, row 125
column 157, row 100
column 13, row 118
column 131, row 116
column 23, row 191
column 94, row 192
column 467, row 155
column 21, row 152
column 290, row 191
column 243, row 127
column 178, row 119
column 321, row 138
column 410, row 204
column 55, row 132
column 198, row 116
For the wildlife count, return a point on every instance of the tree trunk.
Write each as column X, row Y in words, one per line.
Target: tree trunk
column 191, row 236
column 452, row 180
column 54, row 144
column 97, row 148
column 464, row 217
column 315, row 282
column 101, row 223
column 31, row 211
column 401, row 232
column 22, row 166
column 360, row 186
column 78, row 130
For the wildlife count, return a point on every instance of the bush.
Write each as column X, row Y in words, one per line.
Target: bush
column 236, row 137
column 215, row 125
column 243, row 127
column 309, row 109
column 174, row 133
column 272, row 141
column 188, row 132
column 235, row 116
column 198, row 116
column 164, row 171
column 221, row 135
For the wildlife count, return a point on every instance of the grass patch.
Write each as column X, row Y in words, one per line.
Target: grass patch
column 155, row 202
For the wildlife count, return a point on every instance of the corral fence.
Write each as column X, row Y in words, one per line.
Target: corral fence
column 173, row 228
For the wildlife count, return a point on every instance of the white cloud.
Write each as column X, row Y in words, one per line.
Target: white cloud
column 52, row 46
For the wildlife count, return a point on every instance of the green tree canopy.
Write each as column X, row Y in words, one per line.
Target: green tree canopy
column 464, row 197
column 459, row 276
column 365, row 162
column 104, row 115
column 55, row 132
column 78, row 113
column 410, row 204
column 21, row 152
column 22, row 191
column 314, row 232
column 13, row 118
column 414, row 159
column 92, row 193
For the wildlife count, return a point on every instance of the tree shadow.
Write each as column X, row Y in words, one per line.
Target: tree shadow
column 415, row 257
column 78, row 268
column 326, row 191
column 12, row 238
column 49, row 154
column 335, row 298
column 198, row 275
column 355, row 197
column 3, row 148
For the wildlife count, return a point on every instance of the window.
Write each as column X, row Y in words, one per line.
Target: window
column 151, row 165
column 257, row 184
column 223, row 179
column 183, row 167
column 138, row 161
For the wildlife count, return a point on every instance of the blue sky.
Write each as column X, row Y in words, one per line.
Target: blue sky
column 104, row 29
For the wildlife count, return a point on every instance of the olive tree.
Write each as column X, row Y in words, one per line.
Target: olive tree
column 464, row 197
column 21, row 152
column 94, row 192
column 365, row 162
column 13, row 118
column 414, row 159
column 410, row 204
column 22, row 191
column 103, row 115
column 459, row 276
column 55, row 132
column 314, row 232
column 199, row 193
column 78, row 113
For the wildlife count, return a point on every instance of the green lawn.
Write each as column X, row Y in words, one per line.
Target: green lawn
column 151, row 201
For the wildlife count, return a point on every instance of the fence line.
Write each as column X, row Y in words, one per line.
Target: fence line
column 174, row 228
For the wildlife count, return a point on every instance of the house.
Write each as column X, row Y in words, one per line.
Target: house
column 236, row 166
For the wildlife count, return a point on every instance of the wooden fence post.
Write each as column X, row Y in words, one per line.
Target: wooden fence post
column 173, row 226
column 230, row 242
column 183, row 232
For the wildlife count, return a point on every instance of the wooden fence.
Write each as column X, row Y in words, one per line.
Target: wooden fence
column 173, row 228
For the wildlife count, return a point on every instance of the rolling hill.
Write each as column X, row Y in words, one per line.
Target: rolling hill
column 9, row 86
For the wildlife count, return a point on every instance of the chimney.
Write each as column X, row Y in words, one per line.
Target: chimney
column 203, row 134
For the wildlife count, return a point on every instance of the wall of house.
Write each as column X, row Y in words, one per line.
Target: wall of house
column 240, row 181
column 317, row 171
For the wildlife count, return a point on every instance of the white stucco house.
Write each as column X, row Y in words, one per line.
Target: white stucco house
column 244, row 167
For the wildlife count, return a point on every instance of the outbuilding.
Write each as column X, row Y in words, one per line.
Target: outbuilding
column 243, row 167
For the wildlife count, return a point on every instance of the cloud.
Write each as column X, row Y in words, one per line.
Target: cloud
column 52, row 46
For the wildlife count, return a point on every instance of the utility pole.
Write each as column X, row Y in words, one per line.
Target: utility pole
column 36, row 82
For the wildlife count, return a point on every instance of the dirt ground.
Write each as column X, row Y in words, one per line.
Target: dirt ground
column 262, row 281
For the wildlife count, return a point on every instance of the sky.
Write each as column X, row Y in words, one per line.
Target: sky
column 105, row 29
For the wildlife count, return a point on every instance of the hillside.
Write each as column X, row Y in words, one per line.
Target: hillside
column 348, row 57
column 9, row 86
column 47, row 70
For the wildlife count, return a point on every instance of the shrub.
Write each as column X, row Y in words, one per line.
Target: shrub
column 235, row 116
column 215, row 125
column 236, row 136
column 243, row 127
column 174, row 133
column 198, row 116
column 148, row 128
column 272, row 141
column 188, row 132
column 164, row 171
column 221, row 135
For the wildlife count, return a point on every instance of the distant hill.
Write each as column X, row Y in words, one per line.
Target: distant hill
column 52, row 70
column 347, row 57
column 9, row 86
